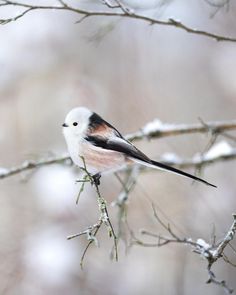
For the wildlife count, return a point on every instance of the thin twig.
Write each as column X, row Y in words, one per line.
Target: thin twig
column 83, row 181
column 87, row 247
column 121, row 201
column 226, row 259
column 104, row 218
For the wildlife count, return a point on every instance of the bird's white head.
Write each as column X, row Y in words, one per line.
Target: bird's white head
column 76, row 123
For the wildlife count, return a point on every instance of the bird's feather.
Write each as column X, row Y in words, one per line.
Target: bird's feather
column 121, row 145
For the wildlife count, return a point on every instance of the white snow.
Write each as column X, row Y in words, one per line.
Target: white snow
column 3, row 171
column 171, row 157
column 155, row 126
column 152, row 126
column 220, row 149
column 203, row 244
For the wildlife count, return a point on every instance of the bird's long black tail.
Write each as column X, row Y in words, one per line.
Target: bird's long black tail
column 180, row 172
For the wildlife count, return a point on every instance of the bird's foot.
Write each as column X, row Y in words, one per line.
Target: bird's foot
column 96, row 178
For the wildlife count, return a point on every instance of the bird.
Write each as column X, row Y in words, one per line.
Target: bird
column 101, row 147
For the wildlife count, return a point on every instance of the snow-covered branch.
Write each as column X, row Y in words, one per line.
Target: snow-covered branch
column 111, row 10
column 218, row 252
column 209, row 251
column 219, row 152
column 33, row 164
column 157, row 129
column 154, row 130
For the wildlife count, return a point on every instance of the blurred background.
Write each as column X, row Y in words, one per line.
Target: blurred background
column 130, row 73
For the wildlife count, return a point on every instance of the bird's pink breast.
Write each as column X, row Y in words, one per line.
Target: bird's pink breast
column 100, row 160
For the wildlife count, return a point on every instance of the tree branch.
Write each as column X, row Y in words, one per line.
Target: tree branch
column 112, row 11
column 198, row 160
column 157, row 129
column 152, row 130
column 210, row 252
column 34, row 164
column 218, row 252
column 104, row 218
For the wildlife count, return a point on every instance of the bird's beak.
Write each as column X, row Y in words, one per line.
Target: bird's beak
column 65, row 125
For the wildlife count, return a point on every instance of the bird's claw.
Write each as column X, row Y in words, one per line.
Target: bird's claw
column 96, row 179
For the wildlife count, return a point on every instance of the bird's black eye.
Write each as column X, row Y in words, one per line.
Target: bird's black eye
column 75, row 124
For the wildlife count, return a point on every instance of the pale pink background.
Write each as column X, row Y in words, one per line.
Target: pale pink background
column 130, row 73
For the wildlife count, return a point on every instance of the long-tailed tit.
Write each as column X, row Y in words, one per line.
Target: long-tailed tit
column 103, row 148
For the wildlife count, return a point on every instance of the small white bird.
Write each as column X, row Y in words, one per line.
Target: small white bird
column 102, row 146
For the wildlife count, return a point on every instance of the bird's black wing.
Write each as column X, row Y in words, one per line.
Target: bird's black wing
column 118, row 144
column 121, row 145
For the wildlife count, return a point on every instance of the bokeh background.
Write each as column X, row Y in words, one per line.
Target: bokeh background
column 130, row 73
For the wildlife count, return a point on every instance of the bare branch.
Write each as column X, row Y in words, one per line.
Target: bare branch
column 226, row 259
column 113, row 11
column 217, row 4
column 8, row 20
